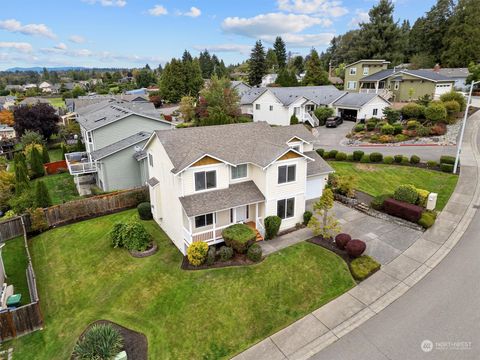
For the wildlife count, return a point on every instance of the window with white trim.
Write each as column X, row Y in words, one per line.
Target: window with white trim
column 203, row 220
column 257, row 106
column 286, row 173
column 150, row 159
column 239, row 172
column 205, row 180
column 365, row 70
column 271, row 107
column 286, row 208
column 353, row 71
column 375, row 112
column 351, row 85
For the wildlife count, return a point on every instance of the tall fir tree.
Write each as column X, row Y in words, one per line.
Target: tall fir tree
column 45, row 155
column 281, row 52
column 192, row 76
column 271, row 61
column 36, row 163
column 21, row 173
column 42, row 196
column 206, row 64
column 257, row 66
column 315, row 74
column 172, row 84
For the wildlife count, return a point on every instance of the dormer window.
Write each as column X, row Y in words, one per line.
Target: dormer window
column 238, row 172
column 205, row 180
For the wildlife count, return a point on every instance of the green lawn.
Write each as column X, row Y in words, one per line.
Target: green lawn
column 57, row 102
column 55, row 155
column 208, row 314
column 15, row 261
column 378, row 179
column 61, row 187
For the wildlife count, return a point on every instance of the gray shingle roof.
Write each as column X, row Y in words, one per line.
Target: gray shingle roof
column 250, row 96
column 317, row 167
column 356, row 100
column 378, row 76
column 137, row 138
column 243, row 193
column 152, row 181
column 320, row 95
column 428, row 74
column 452, row 72
column 256, row 143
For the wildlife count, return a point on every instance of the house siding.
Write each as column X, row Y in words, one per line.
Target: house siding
column 373, row 68
column 278, row 116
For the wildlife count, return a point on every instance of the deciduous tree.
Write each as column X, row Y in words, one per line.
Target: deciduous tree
column 6, row 118
column 40, row 117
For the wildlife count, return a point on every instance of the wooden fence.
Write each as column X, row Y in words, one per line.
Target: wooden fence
column 11, row 228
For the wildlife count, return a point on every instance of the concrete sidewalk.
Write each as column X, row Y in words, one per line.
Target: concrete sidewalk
column 317, row 330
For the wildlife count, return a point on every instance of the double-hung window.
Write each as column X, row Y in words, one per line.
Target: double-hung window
column 375, row 112
column 257, row 106
column 203, row 220
column 150, row 159
column 365, row 70
column 205, row 180
column 286, row 173
column 286, row 208
column 353, row 71
column 239, row 172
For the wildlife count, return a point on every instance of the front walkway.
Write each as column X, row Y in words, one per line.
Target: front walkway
column 309, row 335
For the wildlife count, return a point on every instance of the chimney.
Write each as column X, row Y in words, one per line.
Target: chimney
column 436, row 68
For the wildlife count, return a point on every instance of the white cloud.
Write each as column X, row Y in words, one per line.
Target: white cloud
column 360, row 17
column 318, row 7
column 158, row 10
column 61, row 46
column 242, row 49
column 113, row 3
column 194, row 12
column 77, row 39
column 271, row 24
column 16, row 26
column 19, row 46
column 303, row 40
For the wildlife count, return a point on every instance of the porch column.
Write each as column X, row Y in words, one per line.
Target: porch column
column 376, row 87
column 214, row 221
column 256, row 214
column 234, row 215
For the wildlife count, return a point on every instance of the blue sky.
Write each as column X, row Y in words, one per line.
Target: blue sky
column 131, row 33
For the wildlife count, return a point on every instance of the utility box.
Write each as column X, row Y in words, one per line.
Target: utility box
column 121, row 356
column 432, row 201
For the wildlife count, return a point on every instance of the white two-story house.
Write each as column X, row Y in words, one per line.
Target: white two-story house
column 205, row 179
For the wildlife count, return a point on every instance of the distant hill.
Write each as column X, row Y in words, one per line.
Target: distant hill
column 40, row 69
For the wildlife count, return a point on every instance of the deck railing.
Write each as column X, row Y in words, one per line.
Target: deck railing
column 78, row 163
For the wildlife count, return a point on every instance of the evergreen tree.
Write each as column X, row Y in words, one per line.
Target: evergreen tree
column 42, row 196
column 297, row 64
column 206, row 64
column 257, row 64
column 36, row 163
column 192, row 75
column 271, row 61
column 45, row 156
column 186, row 57
column 462, row 40
column 21, row 173
column 219, row 68
column 315, row 74
column 286, row 78
column 172, row 85
column 280, row 52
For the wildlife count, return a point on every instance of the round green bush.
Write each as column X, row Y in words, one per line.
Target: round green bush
column 333, row 154
column 453, row 108
column 350, row 157
column 445, row 159
column 397, row 128
column 398, row 158
column 357, row 155
column 321, row 152
column 387, row 129
column 359, row 127
column 135, row 236
column 341, row 156
column 197, row 253
column 426, row 220
column 101, row 341
column 413, row 110
column 239, row 237
column 370, row 125
column 272, row 226
column 436, row 112
column 376, row 157
column 448, row 168
column 405, row 161
column 363, row 266
column 254, row 253
column 211, row 254
column 400, row 138
column 406, row 193
column 377, row 202
column 414, row 159
column 456, row 96
column 145, row 211
column 365, row 159
column 432, row 164
column 225, row 253
column 388, row 160
column 307, row 215
column 412, row 124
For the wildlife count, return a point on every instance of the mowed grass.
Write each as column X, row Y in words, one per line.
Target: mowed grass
column 207, row 314
column 61, row 187
column 378, row 179
column 57, row 102
column 55, row 155
column 15, row 262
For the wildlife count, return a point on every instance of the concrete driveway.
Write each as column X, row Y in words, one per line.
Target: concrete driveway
column 333, row 136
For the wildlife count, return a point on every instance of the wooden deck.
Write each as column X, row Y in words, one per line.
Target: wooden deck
column 253, row 226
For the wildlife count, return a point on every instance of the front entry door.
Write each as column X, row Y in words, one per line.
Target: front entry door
column 241, row 214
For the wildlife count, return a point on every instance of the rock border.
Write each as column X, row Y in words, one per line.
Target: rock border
column 146, row 253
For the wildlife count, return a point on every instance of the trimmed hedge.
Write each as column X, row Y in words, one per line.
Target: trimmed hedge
column 365, row 159
column 272, row 226
column 406, row 193
column 321, row 152
column 239, row 237
column 448, row 168
column 350, row 157
column 422, row 197
column 145, row 211
column 332, row 154
column 307, row 215
column 341, row 240
column 357, row 155
column 414, row 159
column 388, row 160
column 403, row 210
column 398, row 158
column 445, row 159
column 225, row 253
column 363, row 266
column 377, row 202
column 431, row 164
column 376, row 157
column 211, row 254
column 341, row 156
column 254, row 253
column 426, row 220
column 355, row 248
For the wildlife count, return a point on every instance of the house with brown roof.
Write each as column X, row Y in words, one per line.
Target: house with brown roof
column 204, row 179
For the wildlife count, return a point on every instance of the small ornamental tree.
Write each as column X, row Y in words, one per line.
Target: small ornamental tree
column 329, row 226
column 42, row 197
column 293, row 120
column 391, row 115
column 36, row 163
column 21, row 174
column 272, row 226
column 322, row 114
column 45, row 155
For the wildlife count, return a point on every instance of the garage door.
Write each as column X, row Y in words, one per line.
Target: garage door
column 348, row 114
column 315, row 185
column 442, row 89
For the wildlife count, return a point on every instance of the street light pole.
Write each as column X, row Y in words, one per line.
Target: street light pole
column 459, row 144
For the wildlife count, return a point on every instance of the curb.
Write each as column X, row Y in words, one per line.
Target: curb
column 399, row 145
column 314, row 332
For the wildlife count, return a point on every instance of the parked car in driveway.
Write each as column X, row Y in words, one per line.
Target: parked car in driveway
column 333, row 121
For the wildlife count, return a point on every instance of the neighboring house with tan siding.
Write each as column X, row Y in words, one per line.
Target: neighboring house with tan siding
column 205, row 179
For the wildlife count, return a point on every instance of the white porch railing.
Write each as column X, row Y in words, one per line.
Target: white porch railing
column 260, row 227
column 385, row 93
column 309, row 118
column 78, row 163
column 206, row 236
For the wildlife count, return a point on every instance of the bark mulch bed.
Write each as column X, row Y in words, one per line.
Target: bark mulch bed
column 134, row 343
column 236, row 260
column 330, row 245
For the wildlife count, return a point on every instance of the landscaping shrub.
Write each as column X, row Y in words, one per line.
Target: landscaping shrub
column 406, row 193
column 384, row 139
column 322, row 114
column 350, row 157
column 357, row 155
column 423, row 131
column 38, row 220
column 405, row 161
column 365, row 159
column 436, row 112
column 438, row 129
column 321, row 152
column 363, row 266
column 100, row 342
column 387, row 129
column 431, row 164
column 145, row 211
column 413, row 110
column 445, row 159
column 197, row 253
column 293, row 120
column 370, row 125
column 448, row 168
column 116, row 235
column 307, row 215
column 135, row 237
column 403, row 210
column 400, row 137
column 341, row 240
column 454, row 96
column 426, row 220
column 453, row 108
column 422, row 197
column 225, row 253
column 239, row 237
column 42, row 196
column 254, row 253
column 388, row 160
column 377, row 202
column 397, row 128
column 326, row 155
column 272, row 225
column 374, row 138
column 341, row 156
column 355, row 248
column 343, row 185
column 359, row 127
column 333, row 154
column 376, row 157
column 412, row 124
column 211, row 254
column 414, row 159
column 391, row 115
